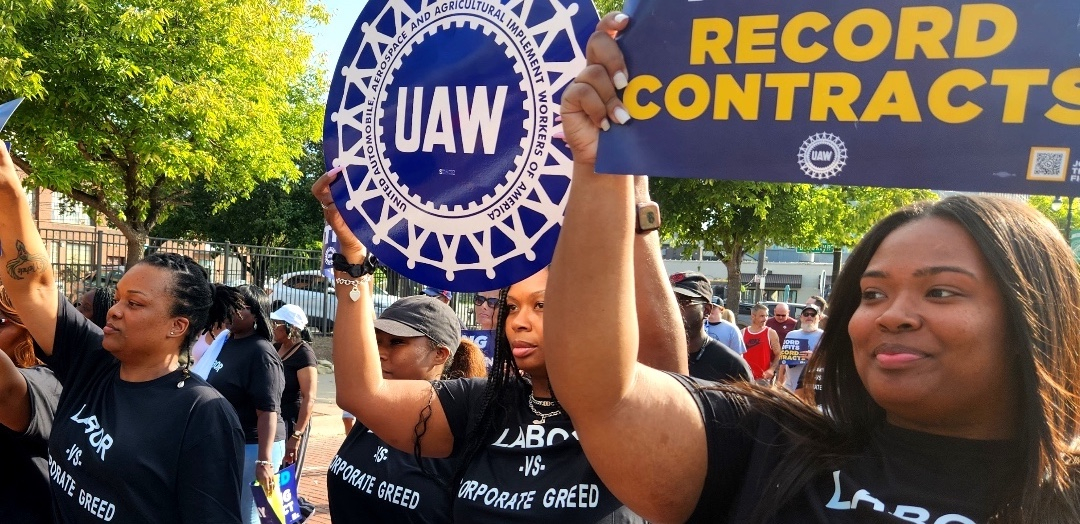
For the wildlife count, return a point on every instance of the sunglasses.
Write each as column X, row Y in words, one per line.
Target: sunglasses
column 687, row 301
column 480, row 300
column 809, row 313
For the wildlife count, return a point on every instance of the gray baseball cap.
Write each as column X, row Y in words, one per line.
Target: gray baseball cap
column 422, row 315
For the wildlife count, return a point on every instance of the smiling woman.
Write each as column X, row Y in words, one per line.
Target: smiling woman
column 949, row 371
column 124, row 468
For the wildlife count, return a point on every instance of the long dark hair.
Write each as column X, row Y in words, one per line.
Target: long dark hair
column 504, row 391
column 1039, row 284
column 259, row 304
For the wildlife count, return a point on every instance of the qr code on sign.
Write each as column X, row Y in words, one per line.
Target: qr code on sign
column 1048, row 163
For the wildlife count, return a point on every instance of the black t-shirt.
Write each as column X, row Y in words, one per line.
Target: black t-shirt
column 529, row 472
column 24, row 486
column 248, row 373
column 370, row 481
column 717, row 362
column 137, row 452
column 302, row 358
column 901, row 475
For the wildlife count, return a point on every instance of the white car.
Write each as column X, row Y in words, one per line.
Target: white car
column 314, row 293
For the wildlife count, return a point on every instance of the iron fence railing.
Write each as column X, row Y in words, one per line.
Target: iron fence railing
column 83, row 260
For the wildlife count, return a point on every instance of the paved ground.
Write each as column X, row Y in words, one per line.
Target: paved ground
column 327, row 433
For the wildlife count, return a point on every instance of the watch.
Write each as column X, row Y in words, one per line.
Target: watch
column 648, row 217
column 367, row 267
column 297, row 435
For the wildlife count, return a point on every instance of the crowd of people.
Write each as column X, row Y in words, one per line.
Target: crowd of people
column 942, row 388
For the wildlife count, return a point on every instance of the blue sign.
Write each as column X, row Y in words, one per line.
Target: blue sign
column 444, row 116
column 484, row 339
column 282, row 506
column 791, row 351
column 6, row 110
column 942, row 95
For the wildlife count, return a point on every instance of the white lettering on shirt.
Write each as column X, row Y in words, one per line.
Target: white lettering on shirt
column 578, row 496
column 490, row 496
column 351, row 475
column 99, row 439
column 534, row 436
column 916, row 514
column 399, row 495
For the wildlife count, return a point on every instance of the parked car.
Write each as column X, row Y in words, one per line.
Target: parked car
column 743, row 318
column 106, row 276
column 314, row 293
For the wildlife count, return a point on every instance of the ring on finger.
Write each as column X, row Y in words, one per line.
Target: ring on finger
column 327, row 206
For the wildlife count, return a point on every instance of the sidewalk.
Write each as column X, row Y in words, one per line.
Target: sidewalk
column 327, row 434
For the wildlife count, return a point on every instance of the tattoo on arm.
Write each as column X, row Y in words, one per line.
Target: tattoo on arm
column 24, row 263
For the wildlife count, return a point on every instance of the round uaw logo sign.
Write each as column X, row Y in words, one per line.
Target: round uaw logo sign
column 444, row 115
column 822, row 156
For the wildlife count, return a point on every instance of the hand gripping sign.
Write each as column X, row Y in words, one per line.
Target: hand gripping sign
column 943, row 94
column 443, row 115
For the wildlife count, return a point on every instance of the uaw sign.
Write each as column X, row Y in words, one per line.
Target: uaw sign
column 443, row 115
column 941, row 94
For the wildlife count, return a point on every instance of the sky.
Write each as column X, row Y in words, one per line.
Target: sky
column 331, row 37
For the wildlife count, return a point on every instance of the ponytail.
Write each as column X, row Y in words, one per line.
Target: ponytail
column 467, row 362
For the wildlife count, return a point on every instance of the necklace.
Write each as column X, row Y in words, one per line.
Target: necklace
column 533, row 402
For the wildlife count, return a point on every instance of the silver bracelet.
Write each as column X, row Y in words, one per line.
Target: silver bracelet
column 263, row 463
column 354, row 294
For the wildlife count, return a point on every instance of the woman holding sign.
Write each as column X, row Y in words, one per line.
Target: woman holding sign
column 519, row 457
column 419, row 338
column 951, row 367
column 136, row 437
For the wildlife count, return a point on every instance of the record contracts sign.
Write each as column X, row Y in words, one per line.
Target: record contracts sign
column 943, row 95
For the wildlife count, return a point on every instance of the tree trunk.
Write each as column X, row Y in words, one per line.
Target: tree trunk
column 136, row 242
column 734, row 279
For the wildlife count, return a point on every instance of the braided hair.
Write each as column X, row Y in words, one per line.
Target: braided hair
column 505, row 389
column 194, row 298
column 103, row 301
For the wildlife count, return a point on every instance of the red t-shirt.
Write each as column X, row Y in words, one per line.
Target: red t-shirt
column 758, row 350
column 782, row 328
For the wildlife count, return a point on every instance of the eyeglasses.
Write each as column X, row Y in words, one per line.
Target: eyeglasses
column 685, row 301
column 480, row 300
column 280, row 323
column 809, row 313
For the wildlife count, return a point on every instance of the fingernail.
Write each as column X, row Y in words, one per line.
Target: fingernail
column 621, row 116
column 335, row 171
column 605, row 125
column 619, row 80
column 559, row 135
column 621, row 17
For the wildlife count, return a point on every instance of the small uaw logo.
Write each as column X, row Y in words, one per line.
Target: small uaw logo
column 442, row 114
column 822, row 156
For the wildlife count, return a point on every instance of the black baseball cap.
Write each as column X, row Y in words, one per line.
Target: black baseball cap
column 691, row 284
column 422, row 315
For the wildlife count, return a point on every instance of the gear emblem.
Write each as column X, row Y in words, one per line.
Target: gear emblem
column 822, row 156
column 442, row 115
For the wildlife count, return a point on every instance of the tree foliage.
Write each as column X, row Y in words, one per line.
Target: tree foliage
column 139, row 99
column 730, row 218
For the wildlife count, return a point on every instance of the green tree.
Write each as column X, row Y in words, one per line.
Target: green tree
column 730, row 217
column 142, row 98
column 848, row 212
column 277, row 213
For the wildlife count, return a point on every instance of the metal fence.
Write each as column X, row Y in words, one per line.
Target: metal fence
column 83, row 260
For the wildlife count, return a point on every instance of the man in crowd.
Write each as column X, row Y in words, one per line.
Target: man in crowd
column 762, row 345
column 708, row 359
column 727, row 334
column 781, row 321
column 800, row 344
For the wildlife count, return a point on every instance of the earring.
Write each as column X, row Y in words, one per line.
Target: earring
column 172, row 333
